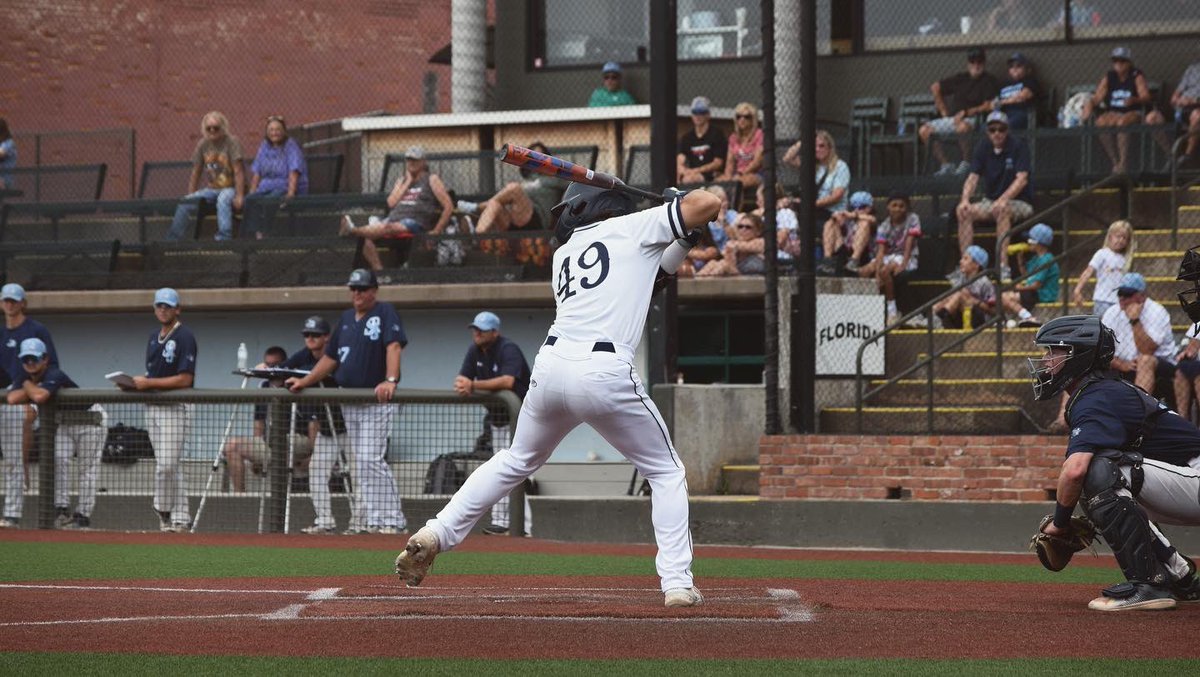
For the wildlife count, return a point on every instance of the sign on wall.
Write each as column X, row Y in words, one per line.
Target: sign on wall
column 843, row 322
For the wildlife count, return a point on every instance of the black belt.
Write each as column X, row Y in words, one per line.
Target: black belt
column 597, row 347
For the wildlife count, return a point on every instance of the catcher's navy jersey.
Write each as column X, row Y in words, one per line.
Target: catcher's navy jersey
column 1108, row 415
column 171, row 356
column 10, row 343
column 360, row 345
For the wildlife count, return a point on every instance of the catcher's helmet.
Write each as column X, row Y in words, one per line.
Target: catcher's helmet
column 1090, row 344
column 1189, row 271
column 583, row 204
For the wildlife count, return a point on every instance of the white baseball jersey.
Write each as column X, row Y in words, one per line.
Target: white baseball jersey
column 603, row 277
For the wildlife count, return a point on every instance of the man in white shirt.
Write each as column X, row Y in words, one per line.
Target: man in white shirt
column 1145, row 345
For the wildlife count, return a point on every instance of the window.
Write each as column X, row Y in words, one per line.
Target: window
column 1107, row 19
column 722, row 346
column 947, row 23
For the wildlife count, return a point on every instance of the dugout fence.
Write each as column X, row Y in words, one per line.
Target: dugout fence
column 338, row 442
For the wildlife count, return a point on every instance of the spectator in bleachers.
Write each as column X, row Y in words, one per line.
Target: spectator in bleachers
column 1003, row 161
column 970, row 93
column 742, row 255
column 1126, row 100
column 610, row 92
column 1019, row 92
column 979, row 296
column 833, row 174
column 744, row 153
column 702, row 149
column 1187, row 374
column 419, row 204
column 896, row 249
column 1145, row 343
column 1186, row 102
column 8, row 155
column 520, row 205
column 1042, row 284
column 218, row 159
column 787, row 225
column 1108, row 264
column 850, row 231
column 698, row 256
column 278, row 170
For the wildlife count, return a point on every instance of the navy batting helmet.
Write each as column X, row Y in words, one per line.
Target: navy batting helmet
column 1090, row 346
column 583, row 204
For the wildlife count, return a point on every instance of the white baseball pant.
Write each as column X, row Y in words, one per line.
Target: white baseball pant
column 1170, row 494
column 12, row 434
column 320, row 469
column 169, row 426
column 502, row 439
column 368, row 427
column 85, row 443
column 572, row 384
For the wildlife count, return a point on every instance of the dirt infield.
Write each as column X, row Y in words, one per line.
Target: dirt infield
column 565, row 617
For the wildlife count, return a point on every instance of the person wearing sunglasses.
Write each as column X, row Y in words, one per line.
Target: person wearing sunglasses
column 743, row 253
column 278, row 170
column 218, row 161
column 1003, row 162
column 610, row 92
column 79, row 435
column 959, row 98
column 744, row 153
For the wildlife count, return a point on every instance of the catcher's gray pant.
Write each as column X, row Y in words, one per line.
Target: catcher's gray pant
column 368, row 427
column 502, row 439
column 169, row 426
column 1170, row 494
column 12, row 435
column 572, row 384
column 320, row 469
column 85, row 443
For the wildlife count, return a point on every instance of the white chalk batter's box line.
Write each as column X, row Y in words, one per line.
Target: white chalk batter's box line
column 787, row 602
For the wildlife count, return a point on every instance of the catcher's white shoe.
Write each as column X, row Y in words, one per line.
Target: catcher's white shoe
column 417, row 558
column 1130, row 596
column 683, row 597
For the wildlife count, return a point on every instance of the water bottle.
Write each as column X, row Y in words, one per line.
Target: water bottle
column 966, row 317
column 243, row 355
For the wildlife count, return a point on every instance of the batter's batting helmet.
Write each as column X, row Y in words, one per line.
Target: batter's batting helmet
column 1091, row 346
column 583, row 204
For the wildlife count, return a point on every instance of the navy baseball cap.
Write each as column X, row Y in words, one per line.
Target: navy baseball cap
column 167, row 296
column 32, row 347
column 315, row 325
column 485, row 321
column 12, row 292
column 1131, row 283
column 362, row 278
column 976, row 54
column 700, row 105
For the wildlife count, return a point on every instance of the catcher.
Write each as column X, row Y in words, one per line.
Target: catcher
column 1131, row 462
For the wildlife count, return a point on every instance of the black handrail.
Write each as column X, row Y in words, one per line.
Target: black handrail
column 926, row 309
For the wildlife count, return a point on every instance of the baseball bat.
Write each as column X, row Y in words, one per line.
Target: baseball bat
column 519, row 156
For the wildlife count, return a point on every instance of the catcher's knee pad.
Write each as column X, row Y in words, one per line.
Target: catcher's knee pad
column 1124, row 526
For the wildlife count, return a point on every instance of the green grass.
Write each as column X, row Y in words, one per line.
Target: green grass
column 141, row 664
column 37, row 561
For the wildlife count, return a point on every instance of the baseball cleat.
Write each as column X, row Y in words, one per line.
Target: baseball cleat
column 1131, row 596
column 683, row 597
column 417, row 558
column 1187, row 589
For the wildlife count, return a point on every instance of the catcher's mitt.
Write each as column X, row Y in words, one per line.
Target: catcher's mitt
column 1055, row 552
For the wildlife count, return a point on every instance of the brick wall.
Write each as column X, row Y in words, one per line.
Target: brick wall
column 158, row 65
column 952, row 468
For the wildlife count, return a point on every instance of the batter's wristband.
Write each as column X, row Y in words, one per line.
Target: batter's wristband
column 1062, row 515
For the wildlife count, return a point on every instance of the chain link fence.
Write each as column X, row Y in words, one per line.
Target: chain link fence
column 260, row 460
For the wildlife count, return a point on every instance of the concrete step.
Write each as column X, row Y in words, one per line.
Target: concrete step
column 739, row 479
column 1189, row 217
column 972, row 420
column 963, row 392
column 966, row 365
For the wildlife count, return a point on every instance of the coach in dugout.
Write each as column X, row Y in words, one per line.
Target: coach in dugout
column 492, row 364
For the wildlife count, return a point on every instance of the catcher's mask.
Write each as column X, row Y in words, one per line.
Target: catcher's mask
column 1189, row 271
column 1090, row 346
column 583, row 204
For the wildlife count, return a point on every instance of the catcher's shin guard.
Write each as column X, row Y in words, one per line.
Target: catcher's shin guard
column 1124, row 526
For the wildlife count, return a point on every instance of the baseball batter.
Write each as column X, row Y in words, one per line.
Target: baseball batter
column 1131, row 462
column 604, row 271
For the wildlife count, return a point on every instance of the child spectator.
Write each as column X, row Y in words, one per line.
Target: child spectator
column 745, row 148
column 896, row 249
column 980, row 294
column 1108, row 264
column 851, row 231
column 278, row 170
column 1042, row 284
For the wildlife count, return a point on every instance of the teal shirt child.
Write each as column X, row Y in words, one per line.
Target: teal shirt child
column 602, row 97
column 1048, row 292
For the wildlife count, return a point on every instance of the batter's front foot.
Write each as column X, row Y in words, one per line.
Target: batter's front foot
column 417, row 558
column 683, row 597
